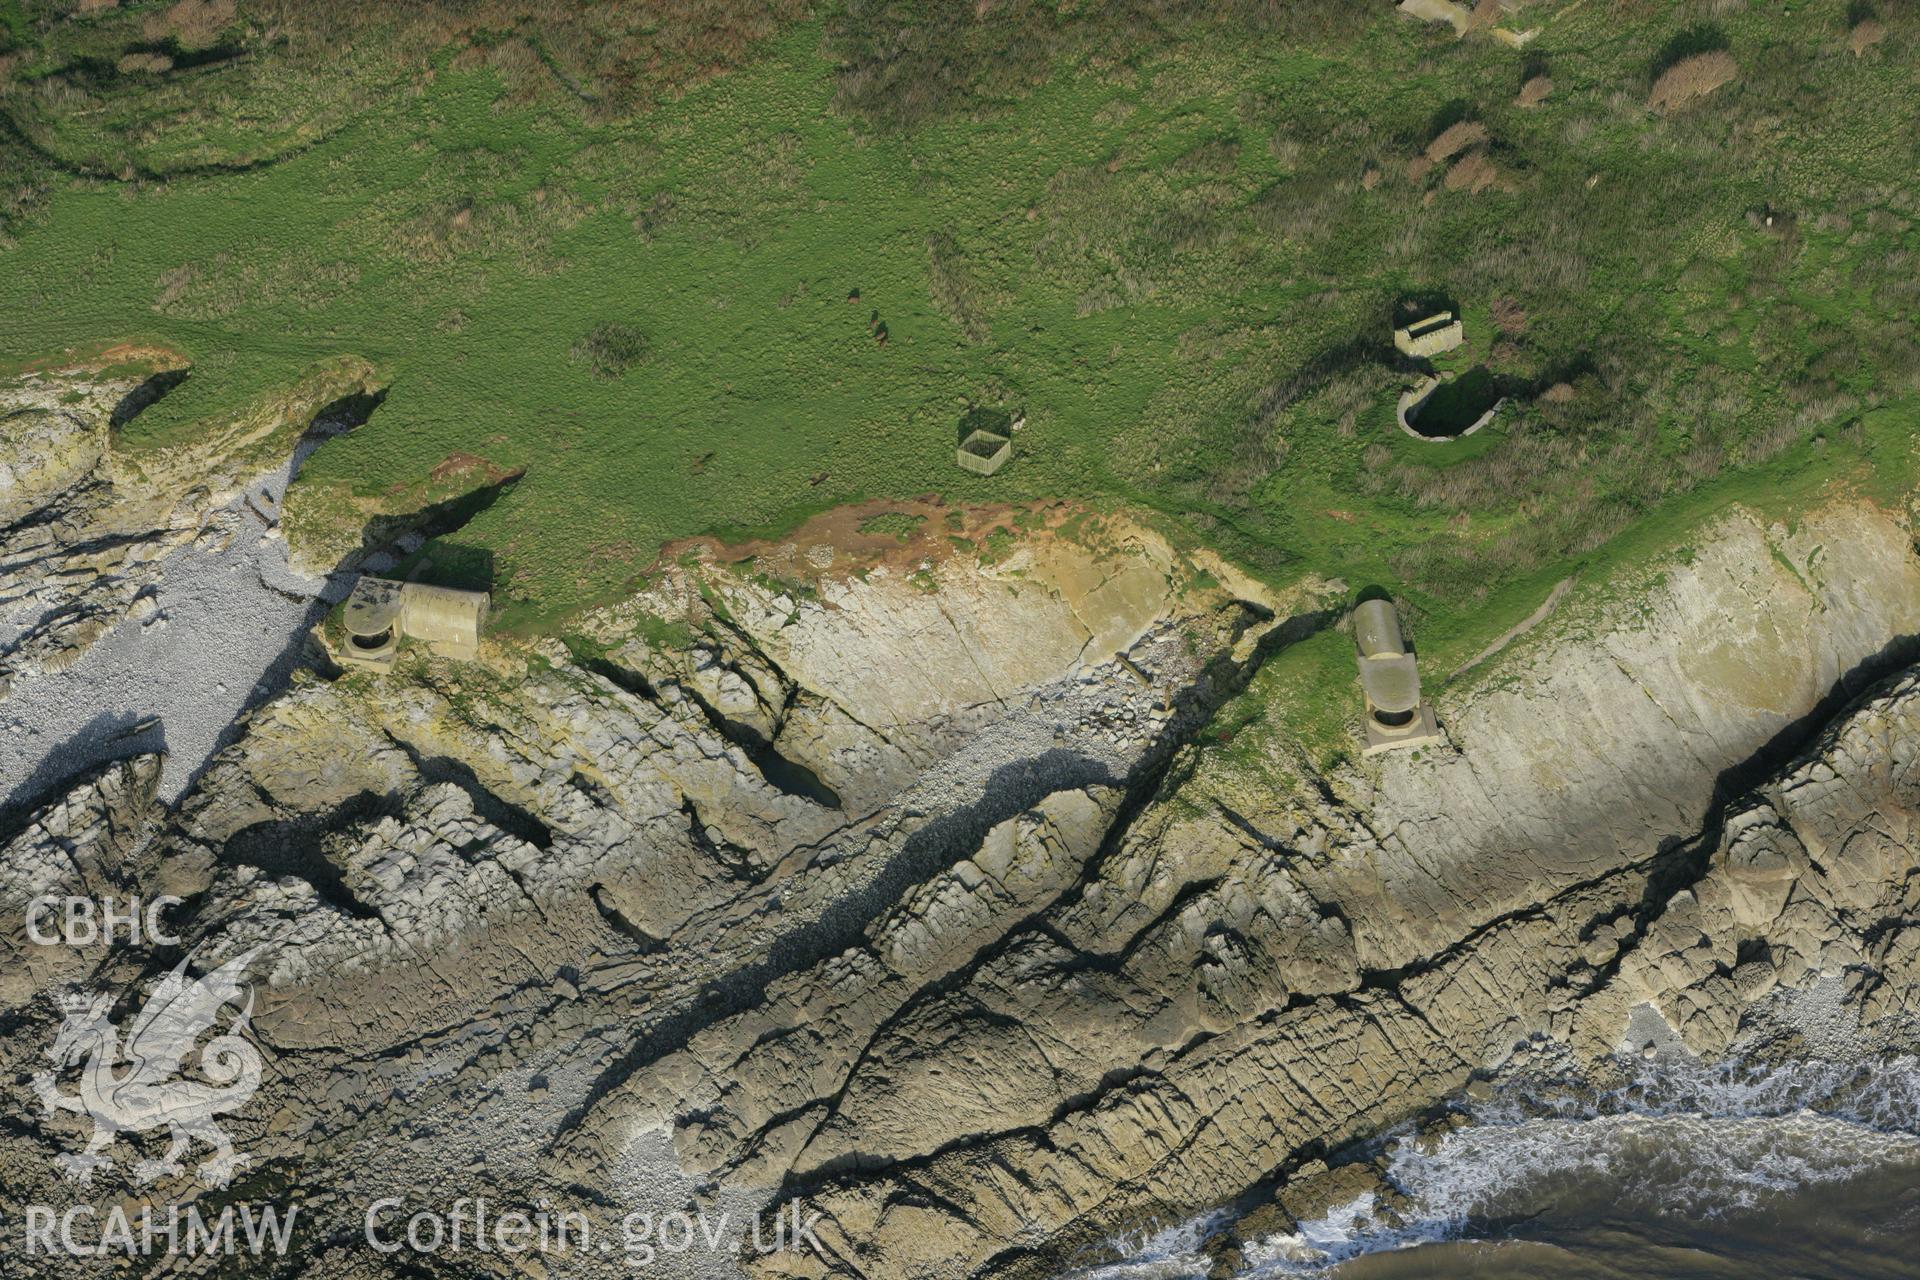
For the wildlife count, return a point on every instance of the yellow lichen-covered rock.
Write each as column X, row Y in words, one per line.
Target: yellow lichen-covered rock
column 43, row 453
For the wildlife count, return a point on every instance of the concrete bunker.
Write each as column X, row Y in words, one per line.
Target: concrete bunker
column 380, row 612
column 1396, row 714
column 1435, row 335
column 986, row 440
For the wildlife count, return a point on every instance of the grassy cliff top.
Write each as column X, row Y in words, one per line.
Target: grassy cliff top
column 677, row 288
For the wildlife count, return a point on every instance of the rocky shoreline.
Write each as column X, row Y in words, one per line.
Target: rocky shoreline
column 892, row 882
column 148, row 603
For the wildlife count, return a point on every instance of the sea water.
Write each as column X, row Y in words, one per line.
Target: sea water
column 1674, row 1170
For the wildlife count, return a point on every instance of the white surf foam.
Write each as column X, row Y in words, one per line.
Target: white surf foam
column 1172, row 1253
column 1674, row 1138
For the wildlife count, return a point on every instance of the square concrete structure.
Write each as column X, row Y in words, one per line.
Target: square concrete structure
column 1435, row 335
column 984, row 452
column 1396, row 716
column 380, row 611
column 1423, row 730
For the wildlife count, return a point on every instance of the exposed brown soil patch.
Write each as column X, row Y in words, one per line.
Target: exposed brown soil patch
column 458, row 465
column 847, row 540
column 120, row 353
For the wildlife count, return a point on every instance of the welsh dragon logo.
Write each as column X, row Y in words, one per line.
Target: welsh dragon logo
column 138, row 1086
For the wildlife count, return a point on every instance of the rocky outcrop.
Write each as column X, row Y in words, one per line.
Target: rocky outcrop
column 894, row 882
column 1285, row 962
column 84, row 844
column 47, row 453
column 1608, row 731
column 867, row 675
column 1601, row 966
column 85, row 524
column 522, row 887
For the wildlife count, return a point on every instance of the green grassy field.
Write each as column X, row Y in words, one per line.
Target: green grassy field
column 1181, row 257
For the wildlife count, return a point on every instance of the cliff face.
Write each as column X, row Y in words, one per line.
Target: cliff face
column 496, row 893
column 1283, row 962
column 85, row 525
column 885, row 881
column 1817, row 876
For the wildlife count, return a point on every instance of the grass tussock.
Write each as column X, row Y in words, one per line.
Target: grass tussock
column 955, row 291
column 1866, row 34
column 610, row 348
column 191, row 24
column 1456, row 138
column 1690, row 79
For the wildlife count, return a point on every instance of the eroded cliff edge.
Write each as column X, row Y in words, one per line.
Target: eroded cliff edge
column 893, row 883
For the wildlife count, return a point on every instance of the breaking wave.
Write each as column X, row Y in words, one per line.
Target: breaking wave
column 1169, row 1254
column 1674, row 1140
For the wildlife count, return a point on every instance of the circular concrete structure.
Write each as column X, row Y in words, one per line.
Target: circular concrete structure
column 1415, row 398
